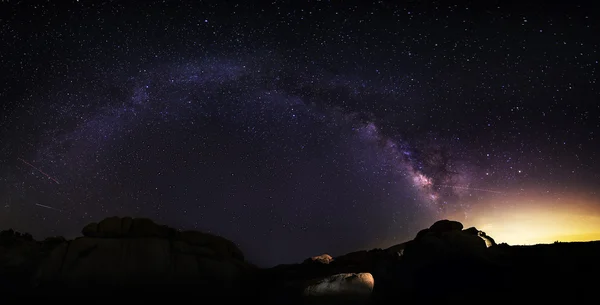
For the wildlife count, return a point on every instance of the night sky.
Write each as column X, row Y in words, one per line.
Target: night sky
column 296, row 130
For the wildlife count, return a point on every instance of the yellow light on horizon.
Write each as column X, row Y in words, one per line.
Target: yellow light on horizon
column 539, row 221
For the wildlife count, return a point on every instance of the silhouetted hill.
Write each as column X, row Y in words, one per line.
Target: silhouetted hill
column 135, row 260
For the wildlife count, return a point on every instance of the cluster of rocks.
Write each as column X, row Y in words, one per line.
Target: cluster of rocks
column 378, row 275
column 126, row 252
column 123, row 254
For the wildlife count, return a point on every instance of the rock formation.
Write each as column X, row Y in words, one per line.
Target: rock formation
column 319, row 259
column 345, row 288
column 119, row 251
column 143, row 259
column 445, row 239
column 134, row 256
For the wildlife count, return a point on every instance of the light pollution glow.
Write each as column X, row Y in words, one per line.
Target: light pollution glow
column 519, row 221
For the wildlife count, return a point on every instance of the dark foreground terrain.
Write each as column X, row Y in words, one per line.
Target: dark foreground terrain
column 134, row 261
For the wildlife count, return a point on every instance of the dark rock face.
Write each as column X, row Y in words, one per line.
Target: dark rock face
column 127, row 253
column 444, row 240
column 119, row 251
column 124, row 254
column 126, row 227
column 489, row 241
column 444, row 250
column 401, row 272
column 442, row 226
column 20, row 256
column 141, row 261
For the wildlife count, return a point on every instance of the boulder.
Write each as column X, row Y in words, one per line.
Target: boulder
column 112, row 227
column 324, row 259
column 118, row 252
column 51, row 268
column 445, row 240
column 185, row 248
column 422, row 233
column 90, row 230
column 220, row 245
column 113, row 261
column 144, row 227
column 464, row 244
column 471, row 231
column 117, row 227
column 342, row 288
column 489, row 242
column 446, row 225
column 437, row 263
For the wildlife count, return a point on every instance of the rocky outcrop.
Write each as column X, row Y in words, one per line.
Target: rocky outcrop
column 20, row 256
column 443, row 253
column 489, row 241
column 396, row 249
column 117, row 252
column 319, row 259
column 127, row 227
column 442, row 264
column 136, row 253
column 345, row 288
column 443, row 240
column 398, row 271
column 446, row 225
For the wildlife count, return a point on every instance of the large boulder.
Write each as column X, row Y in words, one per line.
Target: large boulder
column 437, row 263
column 127, row 227
column 345, row 288
column 219, row 244
column 117, row 227
column 120, row 252
column 445, row 239
column 489, row 242
column 445, row 225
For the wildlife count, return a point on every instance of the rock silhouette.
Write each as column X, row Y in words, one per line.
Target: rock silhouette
column 344, row 288
column 135, row 260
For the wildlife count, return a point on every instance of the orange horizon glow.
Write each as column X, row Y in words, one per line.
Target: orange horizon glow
column 519, row 221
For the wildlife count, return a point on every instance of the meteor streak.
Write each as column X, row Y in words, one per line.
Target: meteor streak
column 471, row 189
column 48, row 207
column 39, row 170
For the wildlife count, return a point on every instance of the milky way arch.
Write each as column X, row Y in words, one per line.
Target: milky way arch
column 178, row 128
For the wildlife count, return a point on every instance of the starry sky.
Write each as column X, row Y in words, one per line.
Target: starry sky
column 304, row 128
